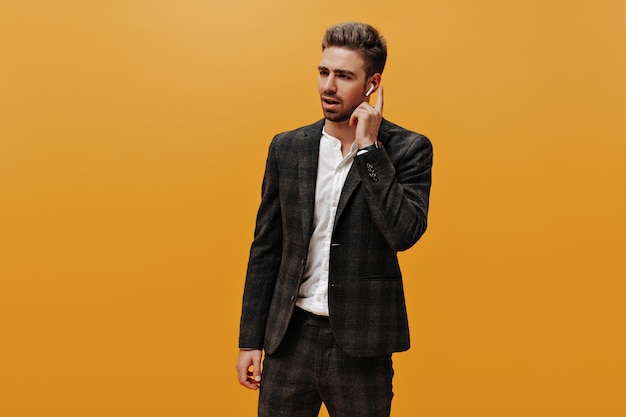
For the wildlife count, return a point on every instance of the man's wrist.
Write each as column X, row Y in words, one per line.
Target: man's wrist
column 366, row 149
column 370, row 147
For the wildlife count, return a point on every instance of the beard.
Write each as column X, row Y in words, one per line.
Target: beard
column 338, row 116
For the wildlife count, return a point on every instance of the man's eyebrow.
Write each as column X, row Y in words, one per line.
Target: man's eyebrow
column 337, row 71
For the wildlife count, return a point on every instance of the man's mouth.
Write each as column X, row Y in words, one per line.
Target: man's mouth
column 329, row 100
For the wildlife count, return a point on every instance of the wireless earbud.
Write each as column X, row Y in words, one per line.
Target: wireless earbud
column 369, row 91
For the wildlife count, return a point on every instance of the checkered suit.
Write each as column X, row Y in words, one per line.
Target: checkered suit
column 382, row 210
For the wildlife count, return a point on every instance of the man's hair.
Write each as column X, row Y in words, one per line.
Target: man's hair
column 362, row 38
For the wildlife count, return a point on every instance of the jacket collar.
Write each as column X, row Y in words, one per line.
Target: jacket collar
column 308, row 156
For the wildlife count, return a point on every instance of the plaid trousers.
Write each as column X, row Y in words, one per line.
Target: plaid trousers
column 309, row 368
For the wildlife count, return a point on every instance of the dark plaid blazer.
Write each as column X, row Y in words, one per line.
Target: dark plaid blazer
column 382, row 210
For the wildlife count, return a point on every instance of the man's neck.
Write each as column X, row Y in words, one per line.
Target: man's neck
column 343, row 132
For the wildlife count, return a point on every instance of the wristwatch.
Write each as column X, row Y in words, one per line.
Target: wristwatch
column 368, row 148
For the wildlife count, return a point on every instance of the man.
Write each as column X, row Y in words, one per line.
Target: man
column 323, row 295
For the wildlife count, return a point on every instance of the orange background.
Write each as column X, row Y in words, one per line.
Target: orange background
column 133, row 136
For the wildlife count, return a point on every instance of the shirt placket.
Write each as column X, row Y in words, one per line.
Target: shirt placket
column 333, row 202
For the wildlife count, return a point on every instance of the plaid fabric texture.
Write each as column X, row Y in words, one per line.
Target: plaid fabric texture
column 309, row 368
column 382, row 210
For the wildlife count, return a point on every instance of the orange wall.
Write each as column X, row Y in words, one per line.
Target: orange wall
column 133, row 136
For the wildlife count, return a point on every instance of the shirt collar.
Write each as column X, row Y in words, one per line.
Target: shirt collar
column 336, row 143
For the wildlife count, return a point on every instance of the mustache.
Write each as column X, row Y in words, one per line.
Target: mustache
column 332, row 97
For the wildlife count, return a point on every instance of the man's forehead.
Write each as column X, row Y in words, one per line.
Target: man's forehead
column 342, row 59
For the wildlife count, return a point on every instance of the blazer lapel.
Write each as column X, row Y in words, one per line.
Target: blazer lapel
column 308, row 155
column 351, row 184
column 353, row 180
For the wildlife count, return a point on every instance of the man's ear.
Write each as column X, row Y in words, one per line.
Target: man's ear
column 375, row 81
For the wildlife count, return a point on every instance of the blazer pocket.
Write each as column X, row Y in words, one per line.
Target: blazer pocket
column 381, row 278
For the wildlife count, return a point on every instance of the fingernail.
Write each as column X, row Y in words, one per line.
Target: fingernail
column 257, row 378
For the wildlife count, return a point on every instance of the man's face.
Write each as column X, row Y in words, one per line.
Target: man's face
column 341, row 82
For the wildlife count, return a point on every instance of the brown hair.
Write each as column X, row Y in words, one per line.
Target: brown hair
column 362, row 38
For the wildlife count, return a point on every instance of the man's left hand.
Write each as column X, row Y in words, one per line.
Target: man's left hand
column 367, row 119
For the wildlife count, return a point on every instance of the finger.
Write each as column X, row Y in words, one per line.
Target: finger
column 242, row 373
column 256, row 368
column 243, row 367
column 379, row 100
column 248, row 382
column 354, row 118
column 251, row 385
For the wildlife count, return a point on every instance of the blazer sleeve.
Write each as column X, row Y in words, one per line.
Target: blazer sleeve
column 264, row 260
column 397, row 191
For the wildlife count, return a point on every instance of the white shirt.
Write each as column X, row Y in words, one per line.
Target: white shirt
column 332, row 171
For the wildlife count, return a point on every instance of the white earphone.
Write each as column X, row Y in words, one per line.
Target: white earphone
column 369, row 91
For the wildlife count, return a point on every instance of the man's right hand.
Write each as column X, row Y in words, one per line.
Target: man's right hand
column 249, row 368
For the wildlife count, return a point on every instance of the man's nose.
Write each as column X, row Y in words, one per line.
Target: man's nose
column 329, row 86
